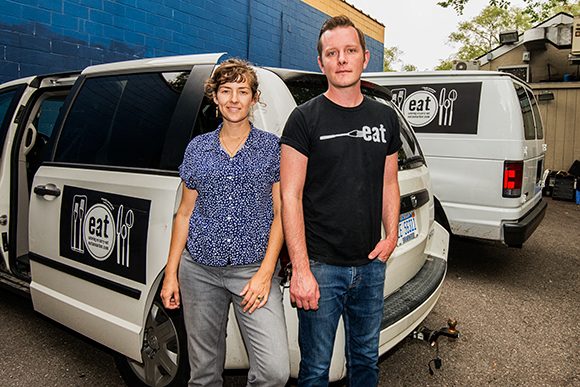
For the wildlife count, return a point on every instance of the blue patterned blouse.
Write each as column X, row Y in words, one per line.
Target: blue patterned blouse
column 231, row 221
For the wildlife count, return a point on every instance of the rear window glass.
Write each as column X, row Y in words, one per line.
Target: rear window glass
column 8, row 103
column 409, row 155
column 527, row 115
column 5, row 99
column 44, row 123
column 537, row 117
column 121, row 120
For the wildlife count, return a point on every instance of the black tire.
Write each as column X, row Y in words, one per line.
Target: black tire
column 164, row 352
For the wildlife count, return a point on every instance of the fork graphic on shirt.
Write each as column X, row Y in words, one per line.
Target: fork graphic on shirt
column 367, row 133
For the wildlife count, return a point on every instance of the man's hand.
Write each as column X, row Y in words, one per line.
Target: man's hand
column 304, row 290
column 384, row 249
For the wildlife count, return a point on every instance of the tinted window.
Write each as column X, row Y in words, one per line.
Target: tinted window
column 409, row 156
column 527, row 115
column 121, row 120
column 537, row 117
column 5, row 99
column 207, row 118
column 50, row 108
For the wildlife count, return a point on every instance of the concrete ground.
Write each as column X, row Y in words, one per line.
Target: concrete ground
column 518, row 313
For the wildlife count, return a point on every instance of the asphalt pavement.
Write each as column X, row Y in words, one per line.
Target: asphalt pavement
column 518, row 313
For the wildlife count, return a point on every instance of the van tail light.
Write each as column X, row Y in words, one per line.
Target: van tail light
column 513, row 173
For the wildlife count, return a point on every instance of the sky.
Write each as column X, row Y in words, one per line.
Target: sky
column 420, row 27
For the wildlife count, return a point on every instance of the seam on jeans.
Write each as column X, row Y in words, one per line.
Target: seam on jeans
column 347, row 345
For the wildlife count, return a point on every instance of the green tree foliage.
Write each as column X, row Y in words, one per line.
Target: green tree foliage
column 537, row 10
column 481, row 34
column 541, row 10
column 391, row 57
column 459, row 5
column 444, row 65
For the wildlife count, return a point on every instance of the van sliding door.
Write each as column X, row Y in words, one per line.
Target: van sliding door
column 102, row 209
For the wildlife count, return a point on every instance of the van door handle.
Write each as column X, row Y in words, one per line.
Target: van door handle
column 43, row 190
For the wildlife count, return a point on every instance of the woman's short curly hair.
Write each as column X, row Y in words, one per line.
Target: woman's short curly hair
column 232, row 70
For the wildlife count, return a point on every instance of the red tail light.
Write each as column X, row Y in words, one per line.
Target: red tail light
column 513, row 173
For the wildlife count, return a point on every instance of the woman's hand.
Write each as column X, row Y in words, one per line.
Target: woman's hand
column 170, row 293
column 256, row 291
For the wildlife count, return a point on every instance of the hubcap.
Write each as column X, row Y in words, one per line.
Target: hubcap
column 160, row 350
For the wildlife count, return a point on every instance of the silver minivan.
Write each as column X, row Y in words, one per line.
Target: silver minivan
column 90, row 187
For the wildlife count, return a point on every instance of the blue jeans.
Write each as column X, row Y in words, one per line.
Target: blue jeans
column 356, row 293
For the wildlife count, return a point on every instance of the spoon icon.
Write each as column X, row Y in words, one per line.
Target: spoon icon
column 129, row 221
column 452, row 97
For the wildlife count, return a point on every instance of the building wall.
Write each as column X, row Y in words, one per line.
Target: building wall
column 47, row 36
column 561, row 118
column 546, row 64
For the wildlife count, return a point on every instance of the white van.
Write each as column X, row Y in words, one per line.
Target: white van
column 89, row 188
column 481, row 133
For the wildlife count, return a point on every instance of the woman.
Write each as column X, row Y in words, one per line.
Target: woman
column 227, row 236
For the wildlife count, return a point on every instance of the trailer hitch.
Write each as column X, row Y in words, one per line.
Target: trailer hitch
column 431, row 336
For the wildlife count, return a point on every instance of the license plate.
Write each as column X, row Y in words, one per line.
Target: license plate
column 407, row 227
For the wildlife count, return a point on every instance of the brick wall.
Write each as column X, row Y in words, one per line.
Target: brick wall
column 47, row 36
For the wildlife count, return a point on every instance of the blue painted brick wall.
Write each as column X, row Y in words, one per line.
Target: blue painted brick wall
column 48, row 36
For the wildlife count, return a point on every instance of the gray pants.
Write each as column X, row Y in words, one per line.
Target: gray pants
column 206, row 293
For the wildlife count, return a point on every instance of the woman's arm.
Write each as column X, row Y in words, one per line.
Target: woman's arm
column 170, row 290
column 259, row 284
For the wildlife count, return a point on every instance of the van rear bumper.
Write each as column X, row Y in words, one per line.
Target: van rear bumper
column 516, row 233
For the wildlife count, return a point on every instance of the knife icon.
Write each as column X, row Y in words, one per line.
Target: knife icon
column 441, row 103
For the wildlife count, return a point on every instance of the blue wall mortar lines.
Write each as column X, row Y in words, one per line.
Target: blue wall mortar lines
column 48, row 36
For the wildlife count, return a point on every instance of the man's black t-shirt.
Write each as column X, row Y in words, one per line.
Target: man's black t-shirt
column 342, row 198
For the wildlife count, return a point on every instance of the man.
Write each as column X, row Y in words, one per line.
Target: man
column 339, row 181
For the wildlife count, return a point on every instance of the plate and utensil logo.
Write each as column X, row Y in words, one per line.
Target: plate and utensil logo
column 99, row 232
column 423, row 106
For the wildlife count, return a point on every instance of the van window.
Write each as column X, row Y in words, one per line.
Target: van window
column 409, row 155
column 8, row 103
column 44, row 124
column 527, row 115
column 121, row 120
column 207, row 119
column 50, row 109
column 537, row 116
column 5, row 99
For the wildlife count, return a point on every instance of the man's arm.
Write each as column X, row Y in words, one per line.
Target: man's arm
column 303, row 286
column 391, row 208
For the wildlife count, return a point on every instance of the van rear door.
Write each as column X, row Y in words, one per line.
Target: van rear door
column 533, row 146
column 102, row 206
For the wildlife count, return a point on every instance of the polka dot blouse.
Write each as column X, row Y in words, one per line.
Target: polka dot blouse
column 230, row 224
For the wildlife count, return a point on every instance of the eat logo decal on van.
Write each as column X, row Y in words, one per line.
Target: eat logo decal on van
column 105, row 230
column 442, row 108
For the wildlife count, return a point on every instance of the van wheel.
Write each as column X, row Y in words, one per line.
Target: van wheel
column 164, row 352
